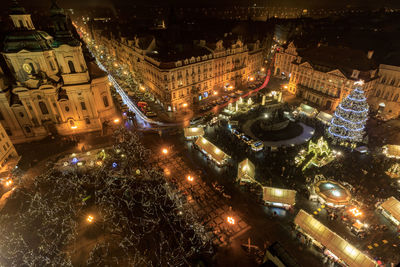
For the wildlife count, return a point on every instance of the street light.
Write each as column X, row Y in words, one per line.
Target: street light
column 164, row 151
column 185, row 105
column 90, row 218
column 116, row 120
column 9, row 182
column 190, row 178
column 230, row 220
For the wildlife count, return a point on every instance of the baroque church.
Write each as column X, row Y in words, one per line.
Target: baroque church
column 53, row 89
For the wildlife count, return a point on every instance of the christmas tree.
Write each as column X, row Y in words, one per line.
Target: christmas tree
column 350, row 116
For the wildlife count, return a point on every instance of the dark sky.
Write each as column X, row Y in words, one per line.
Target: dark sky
column 288, row 3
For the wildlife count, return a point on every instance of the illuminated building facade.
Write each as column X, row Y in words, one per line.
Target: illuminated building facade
column 179, row 78
column 55, row 90
column 325, row 75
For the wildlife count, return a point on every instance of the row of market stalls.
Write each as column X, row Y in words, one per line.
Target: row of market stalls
column 212, row 151
column 330, row 243
column 313, row 113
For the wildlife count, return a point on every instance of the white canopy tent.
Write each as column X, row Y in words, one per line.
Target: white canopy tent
column 324, row 237
column 278, row 196
column 212, row 151
column 391, row 208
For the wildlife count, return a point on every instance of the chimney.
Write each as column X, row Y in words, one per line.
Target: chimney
column 370, row 54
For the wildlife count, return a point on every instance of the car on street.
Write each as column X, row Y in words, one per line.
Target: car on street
column 257, row 146
column 247, row 139
column 237, row 133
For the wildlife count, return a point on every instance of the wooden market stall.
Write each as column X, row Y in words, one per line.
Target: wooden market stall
column 283, row 198
column 212, row 151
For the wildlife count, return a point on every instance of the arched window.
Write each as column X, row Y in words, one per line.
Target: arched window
column 43, row 108
column 39, row 97
column 28, row 129
column 383, row 80
column 378, row 93
column 396, row 97
column 21, row 114
column 71, row 66
column 66, row 108
column 387, row 96
column 105, row 101
column 392, row 82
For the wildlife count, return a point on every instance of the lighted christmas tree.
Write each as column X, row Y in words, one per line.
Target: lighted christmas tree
column 348, row 122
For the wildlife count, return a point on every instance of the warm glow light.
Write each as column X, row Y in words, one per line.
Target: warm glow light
column 190, row 178
column 184, row 105
column 165, row 151
column 204, row 141
column 116, row 120
column 285, row 86
column 90, row 219
column 9, row 182
column 230, row 220
column 115, row 65
column 217, row 150
column 360, row 83
column 142, row 88
column 356, row 212
column 74, row 127
column 262, row 69
column 278, row 192
column 215, row 93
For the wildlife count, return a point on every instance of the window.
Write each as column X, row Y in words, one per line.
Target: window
column 39, row 97
column 1, row 116
column 71, row 66
column 105, row 101
column 8, row 131
column 43, row 108
column 2, row 135
column 71, row 122
column 396, row 97
column 21, row 24
column 4, row 147
column 83, row 105
column 21, row 114
column 28, row 129
column 66, row 108
column 87, row 120
column 7, row 144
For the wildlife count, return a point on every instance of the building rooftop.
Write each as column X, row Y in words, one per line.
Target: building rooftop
column 95, row 71
column 338, row 58
column 31, row 40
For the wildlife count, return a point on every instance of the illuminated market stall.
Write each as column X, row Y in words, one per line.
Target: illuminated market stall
column 278, row 197
column 391, row 210
column 213, row 152
column 324, row 117
column 332, row 244
column 330, row 193
column 193, row 132
column 391, row 151
column 307, row 110
column 246, row 171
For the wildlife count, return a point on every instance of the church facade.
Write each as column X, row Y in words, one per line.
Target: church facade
column 53, row 90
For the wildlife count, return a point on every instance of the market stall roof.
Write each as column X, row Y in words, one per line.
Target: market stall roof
column 332, row 192
column 278, row 195
column 246, row 169
column 391, row 151
column 392, row 205
column 324, row 117
column 334, row 243
column 308, row 110
column 217, row 154
column 193, row 132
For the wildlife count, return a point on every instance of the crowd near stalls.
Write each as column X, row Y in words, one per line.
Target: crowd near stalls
column 331, row 244
column 212, row 151
column 391, row 210
column 277, row 197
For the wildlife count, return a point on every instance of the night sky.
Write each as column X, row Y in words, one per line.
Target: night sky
column 288, row 3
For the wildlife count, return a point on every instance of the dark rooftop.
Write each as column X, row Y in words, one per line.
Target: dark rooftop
column 95, row 71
